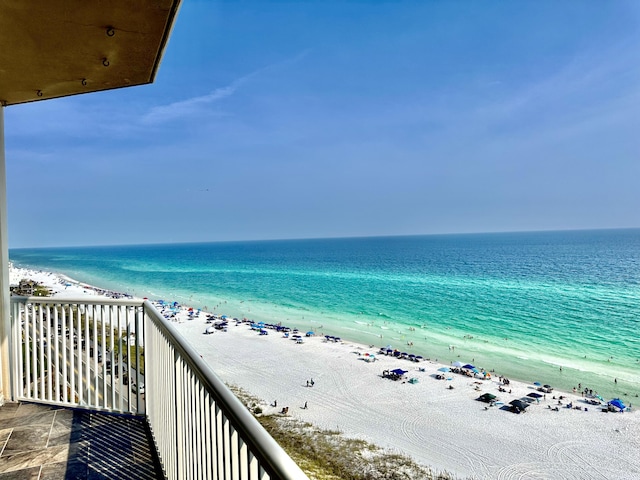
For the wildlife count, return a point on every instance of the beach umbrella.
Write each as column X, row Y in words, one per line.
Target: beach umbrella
column 547, row 386
column 487, row 397
column 537, row 384
column 469, row 366
column 457, row 364
column 616, row 402
column 443, row 369
column 534, row 395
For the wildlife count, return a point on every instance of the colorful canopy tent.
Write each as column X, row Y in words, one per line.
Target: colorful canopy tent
column 487, row 397
column 518, row 405
column 616, row 402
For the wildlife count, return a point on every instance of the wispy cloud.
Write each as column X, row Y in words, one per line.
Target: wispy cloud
column 164, row 113
column 182, row 108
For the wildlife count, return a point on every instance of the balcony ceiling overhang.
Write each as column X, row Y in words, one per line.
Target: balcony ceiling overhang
column 56, row 48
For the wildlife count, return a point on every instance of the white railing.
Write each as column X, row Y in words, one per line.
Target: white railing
column 78, row 353
column 88, row 353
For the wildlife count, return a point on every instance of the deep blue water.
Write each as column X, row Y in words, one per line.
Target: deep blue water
column 522, row 303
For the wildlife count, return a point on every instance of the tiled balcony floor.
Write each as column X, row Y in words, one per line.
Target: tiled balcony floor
column 44, row 442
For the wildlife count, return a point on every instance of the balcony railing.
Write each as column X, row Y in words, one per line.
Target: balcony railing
column 123, row 356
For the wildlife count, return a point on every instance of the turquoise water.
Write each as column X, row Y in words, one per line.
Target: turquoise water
column 524, row 304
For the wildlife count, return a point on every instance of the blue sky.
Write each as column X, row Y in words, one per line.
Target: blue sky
column 329, row 119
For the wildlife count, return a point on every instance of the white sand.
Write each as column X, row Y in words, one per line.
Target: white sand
column 444, row 429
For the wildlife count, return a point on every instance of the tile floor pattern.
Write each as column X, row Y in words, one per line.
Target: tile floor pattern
column 41, row 442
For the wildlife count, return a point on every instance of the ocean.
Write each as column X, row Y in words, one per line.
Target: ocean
column 556, row 307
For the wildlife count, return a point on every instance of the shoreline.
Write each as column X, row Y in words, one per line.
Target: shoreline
column 516, row 358
column 444, row 429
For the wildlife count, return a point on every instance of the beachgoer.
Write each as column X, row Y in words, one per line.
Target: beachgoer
column 305, row 405
column 307, row 383
column 312, row 382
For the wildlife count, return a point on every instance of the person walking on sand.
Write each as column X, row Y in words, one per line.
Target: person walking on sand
column 312, row 382
column 305, row 405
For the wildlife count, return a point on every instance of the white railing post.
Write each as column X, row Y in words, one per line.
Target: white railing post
column 5, row 311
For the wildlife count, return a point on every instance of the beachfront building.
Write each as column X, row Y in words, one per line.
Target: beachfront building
column 66, row 413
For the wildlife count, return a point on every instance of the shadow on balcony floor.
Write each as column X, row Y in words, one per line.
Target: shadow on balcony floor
column 45, row 442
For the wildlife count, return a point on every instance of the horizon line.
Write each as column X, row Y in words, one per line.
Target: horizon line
column 354, row 237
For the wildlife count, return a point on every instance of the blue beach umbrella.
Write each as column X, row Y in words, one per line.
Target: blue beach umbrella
column 616, row 402
column 443, row 369
column 537, row 384
column 469, row 366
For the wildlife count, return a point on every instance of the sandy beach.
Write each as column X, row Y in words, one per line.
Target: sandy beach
column 442, row 428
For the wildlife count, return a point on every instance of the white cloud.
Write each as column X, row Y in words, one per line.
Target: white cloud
column 182, row 108
column 164, row 113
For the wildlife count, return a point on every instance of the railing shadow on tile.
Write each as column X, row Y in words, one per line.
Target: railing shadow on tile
column 114, row 446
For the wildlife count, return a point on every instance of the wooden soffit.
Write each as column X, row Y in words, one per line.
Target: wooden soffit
column 55, row 48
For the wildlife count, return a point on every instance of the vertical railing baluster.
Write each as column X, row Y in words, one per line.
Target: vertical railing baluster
column 118, row 367
column 138, row 328
column 56, row 353
column 179, row 416
column 72, row 360
column 41, row 375
column 65, row 346
column 219, row 442
column 22, row 350
column 32, row 352
column 92, row 348
column 102, row 357
column 111, row 358
column 78, row 353
column 49, row 369
column 17, row 326
column 234, row 449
